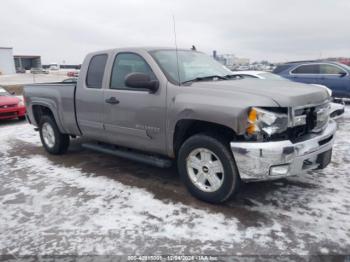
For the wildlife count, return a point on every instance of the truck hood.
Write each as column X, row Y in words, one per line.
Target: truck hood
column 284, row 93
column 9, row 100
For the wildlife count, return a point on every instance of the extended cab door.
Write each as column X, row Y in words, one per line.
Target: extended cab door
column 89, row 96
column 135, row 118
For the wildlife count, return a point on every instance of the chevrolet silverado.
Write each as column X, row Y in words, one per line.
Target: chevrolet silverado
column 164, row 105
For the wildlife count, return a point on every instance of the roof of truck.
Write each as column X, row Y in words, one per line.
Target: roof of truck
column 145, row 48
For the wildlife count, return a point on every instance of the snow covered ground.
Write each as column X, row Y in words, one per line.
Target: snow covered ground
column 89, row 203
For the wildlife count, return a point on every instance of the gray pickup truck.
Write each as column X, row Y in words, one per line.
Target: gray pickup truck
column 160, row 105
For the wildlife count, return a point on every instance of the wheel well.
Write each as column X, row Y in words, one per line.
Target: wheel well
column 39, row 111
column 187, row 128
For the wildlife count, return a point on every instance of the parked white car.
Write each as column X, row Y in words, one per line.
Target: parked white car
column 54, row 66
column 336, row 111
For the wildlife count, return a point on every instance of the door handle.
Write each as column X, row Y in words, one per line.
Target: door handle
column 112, row 100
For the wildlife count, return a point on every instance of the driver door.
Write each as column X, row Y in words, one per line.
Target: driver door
column 133, row 117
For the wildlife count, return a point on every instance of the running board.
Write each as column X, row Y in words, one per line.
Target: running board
column 132, row 155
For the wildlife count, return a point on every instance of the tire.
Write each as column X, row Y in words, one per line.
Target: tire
column 55, row 144
column 205, row 144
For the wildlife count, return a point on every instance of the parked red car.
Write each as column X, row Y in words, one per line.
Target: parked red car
column 73, row 73
column 11, row 106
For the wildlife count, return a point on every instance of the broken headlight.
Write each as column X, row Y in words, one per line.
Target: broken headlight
column 266, row 122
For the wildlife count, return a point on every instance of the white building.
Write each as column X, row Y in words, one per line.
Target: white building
column 7, row 63
column 230, row 60
column 242, row 61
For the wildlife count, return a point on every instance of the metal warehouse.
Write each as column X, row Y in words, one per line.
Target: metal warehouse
column 7, row 65
column 27, row 61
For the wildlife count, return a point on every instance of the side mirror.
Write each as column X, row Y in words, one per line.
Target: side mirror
column 141, row 81
column 13, row 93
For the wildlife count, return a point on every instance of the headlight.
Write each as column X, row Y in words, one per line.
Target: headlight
column 20, row 103
column 261, row 121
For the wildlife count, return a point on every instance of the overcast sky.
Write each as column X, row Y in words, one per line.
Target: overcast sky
column 275, row 30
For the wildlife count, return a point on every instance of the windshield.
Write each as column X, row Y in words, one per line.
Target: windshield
column 191, row 65
column 270, row 76
column 3, row 92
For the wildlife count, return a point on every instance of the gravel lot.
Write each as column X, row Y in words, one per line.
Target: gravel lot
column 89, row 203
column 28, row 78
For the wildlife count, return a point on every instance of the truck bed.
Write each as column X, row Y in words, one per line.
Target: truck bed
column 60, row 98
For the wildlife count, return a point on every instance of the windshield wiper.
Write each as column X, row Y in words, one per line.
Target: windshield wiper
column 203, row 78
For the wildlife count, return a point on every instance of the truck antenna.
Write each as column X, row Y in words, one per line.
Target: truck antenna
column 176, row 51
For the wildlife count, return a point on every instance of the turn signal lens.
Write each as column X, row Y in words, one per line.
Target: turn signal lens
column 252, row 115
column 251, row 129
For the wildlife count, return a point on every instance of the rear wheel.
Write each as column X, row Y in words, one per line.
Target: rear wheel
column 52, row 139
column 208, row 169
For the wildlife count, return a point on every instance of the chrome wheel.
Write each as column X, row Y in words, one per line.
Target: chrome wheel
column 205, row 170
column 48, row 135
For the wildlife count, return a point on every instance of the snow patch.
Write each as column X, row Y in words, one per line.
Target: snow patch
column 52, row 209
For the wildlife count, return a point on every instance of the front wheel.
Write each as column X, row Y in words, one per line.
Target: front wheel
column 208, row 169
column 52, row 139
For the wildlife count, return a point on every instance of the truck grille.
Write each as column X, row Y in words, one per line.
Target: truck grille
column 8, row 114
column 304, row 120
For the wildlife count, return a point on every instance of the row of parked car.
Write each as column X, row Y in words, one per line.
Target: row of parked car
column 335, row 77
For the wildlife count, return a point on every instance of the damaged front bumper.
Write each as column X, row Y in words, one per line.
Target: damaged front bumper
column 272, row 160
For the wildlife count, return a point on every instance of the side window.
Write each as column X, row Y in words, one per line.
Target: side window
column 307, row 69
column 280, row 68
column 126, row 63
column 95, row 71
column 331, row 69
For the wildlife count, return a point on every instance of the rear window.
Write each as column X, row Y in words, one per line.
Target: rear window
column 95, row 71
column 280, row 68
column 331, row 69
